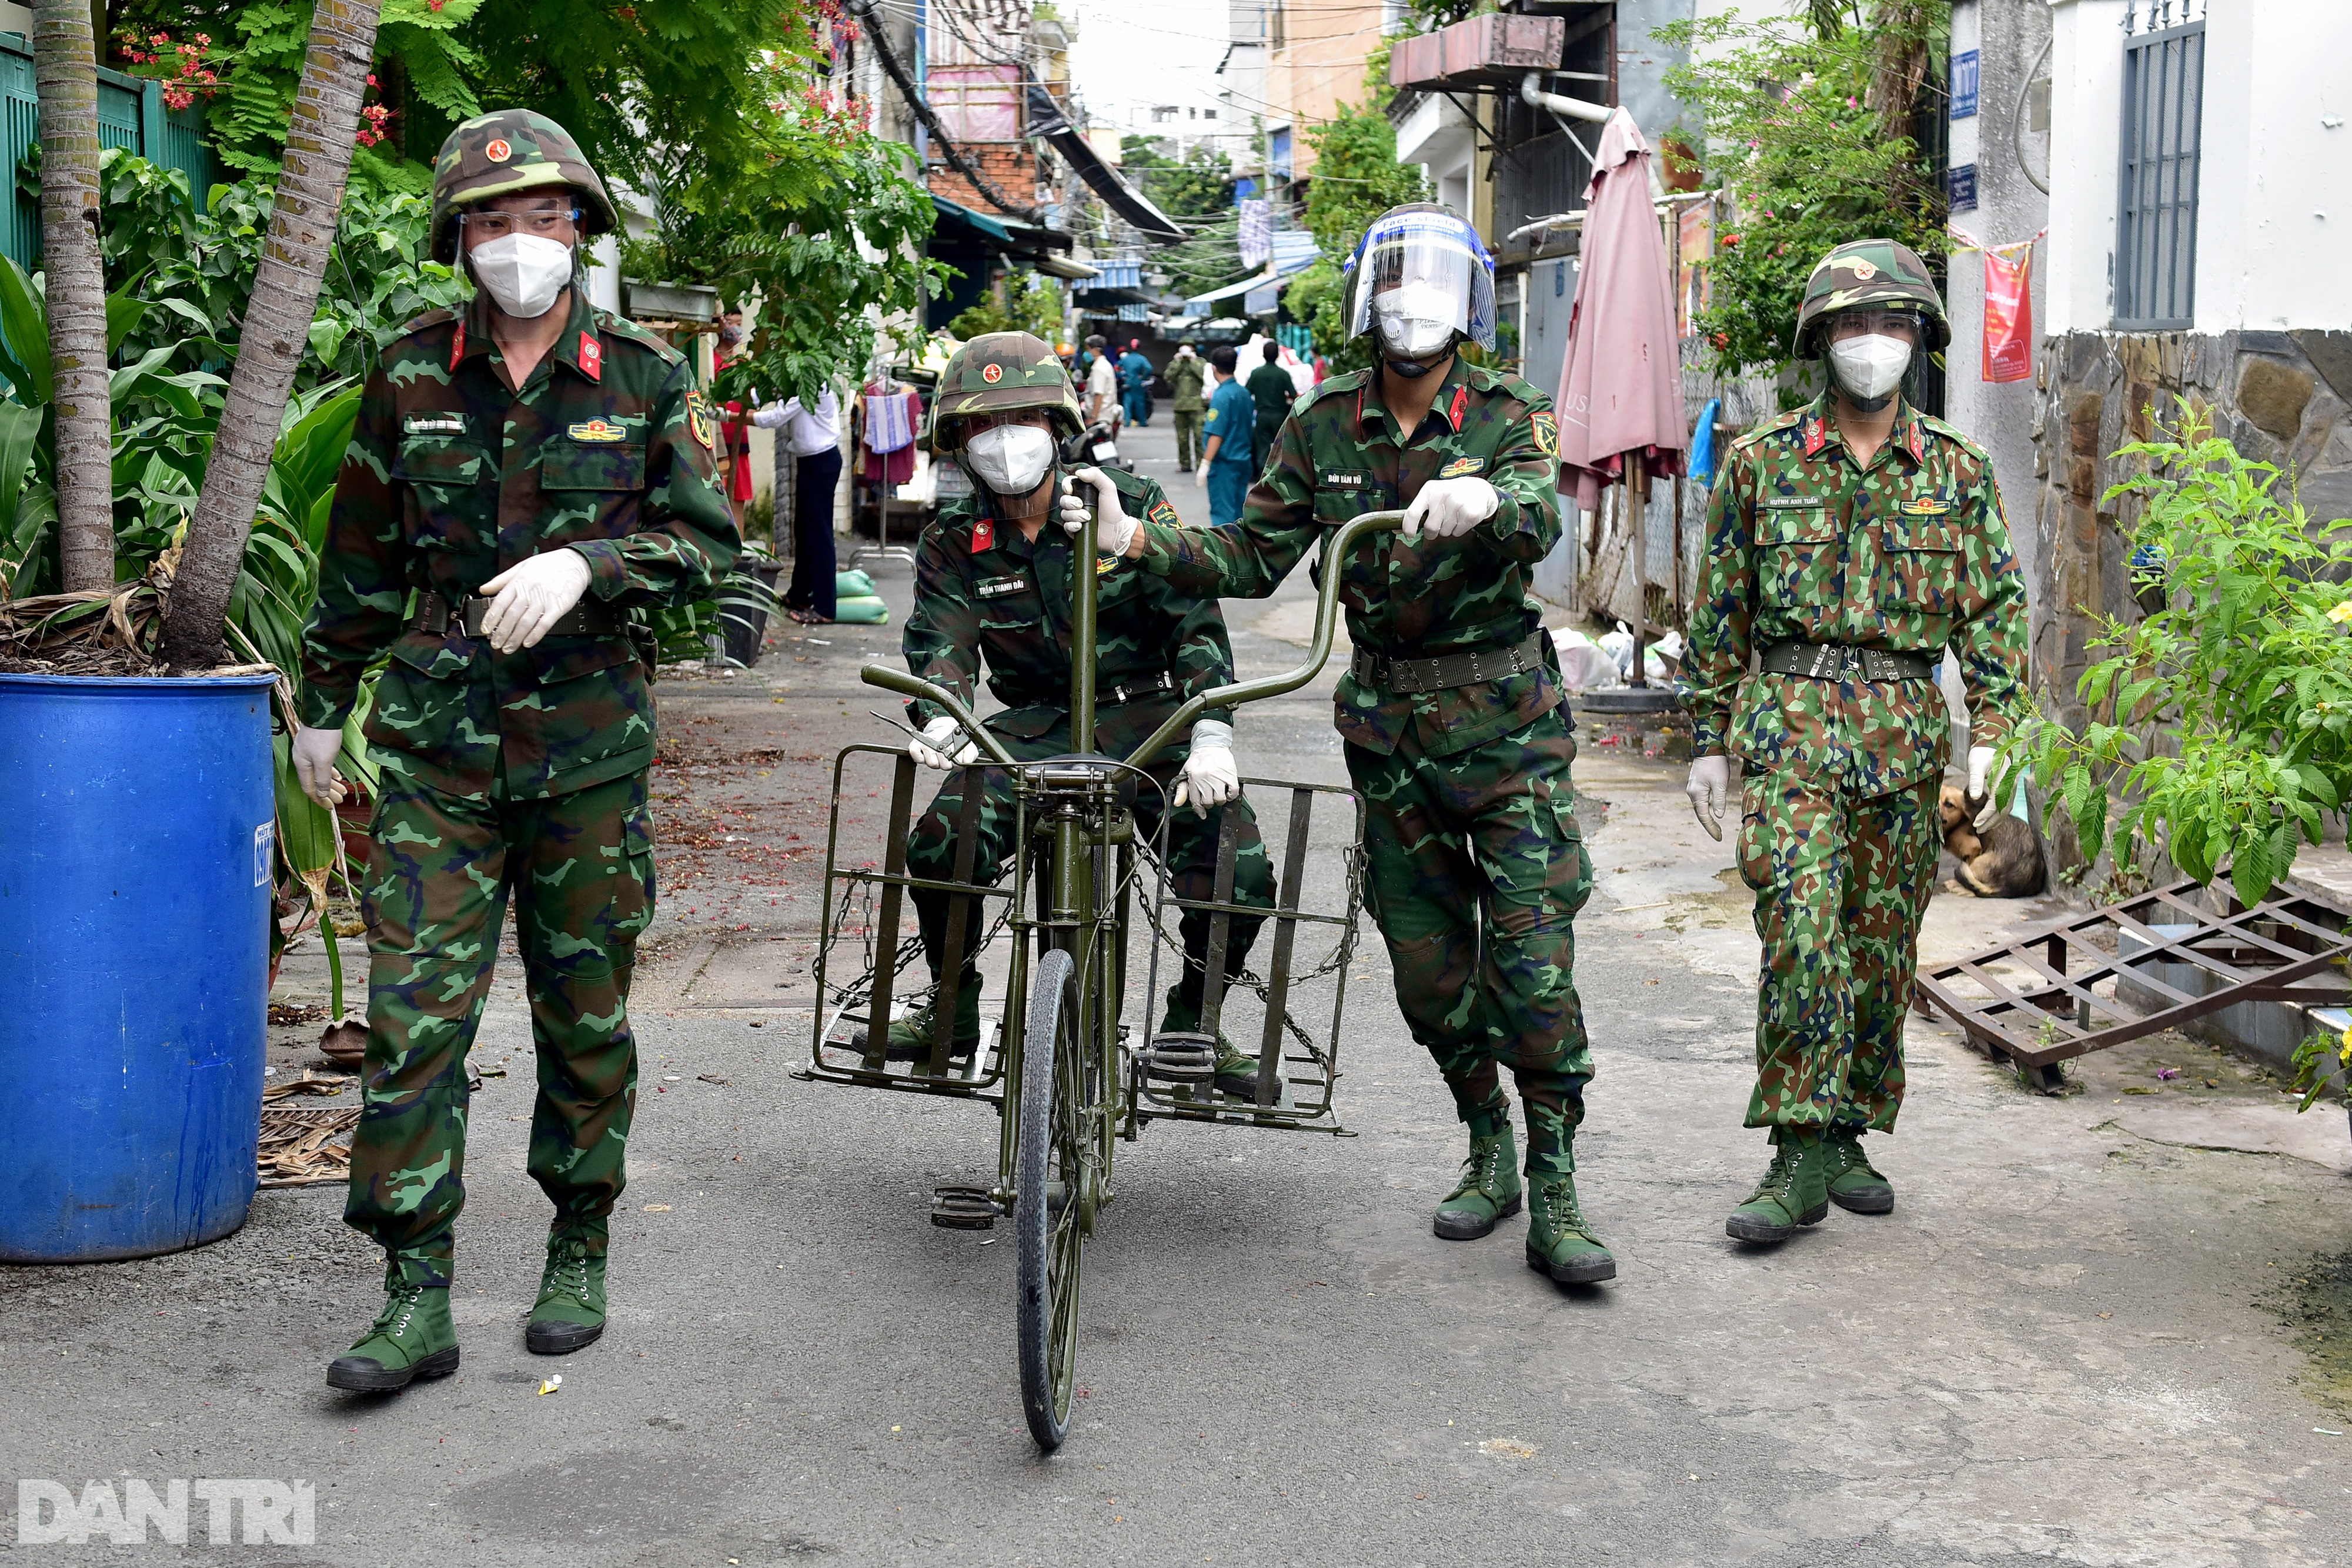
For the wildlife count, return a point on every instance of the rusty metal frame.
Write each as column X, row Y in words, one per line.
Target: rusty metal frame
column 2267, row 952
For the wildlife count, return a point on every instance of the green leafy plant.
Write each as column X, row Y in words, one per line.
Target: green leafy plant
column 2222, row 720
column 1798, row 121
column 2322, row 1059
column 1024, row 303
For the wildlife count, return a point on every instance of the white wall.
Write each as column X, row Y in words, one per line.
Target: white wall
column 2274, row 218
column 1436, row 136
column 2274, row 193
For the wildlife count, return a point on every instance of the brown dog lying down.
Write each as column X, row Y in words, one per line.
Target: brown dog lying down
column 2002, row 860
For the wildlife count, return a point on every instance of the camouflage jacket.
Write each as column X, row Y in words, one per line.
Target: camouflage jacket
column 1339, row 455
column 983, row 592
column 450, row 479
column 1908, row 553
column 1185, row 375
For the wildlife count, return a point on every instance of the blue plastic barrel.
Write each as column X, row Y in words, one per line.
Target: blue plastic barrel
column 136, row 829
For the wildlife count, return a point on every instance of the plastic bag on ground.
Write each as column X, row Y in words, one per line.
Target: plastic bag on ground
column 1583, row 665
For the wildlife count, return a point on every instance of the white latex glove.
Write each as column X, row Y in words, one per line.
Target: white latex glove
column 1211, row 777
column 1201, row 474
column 1979, row 776
column 531, row 596
column 315, row 751
column 931, row 750
column 1448, row 509
column 1114, row 529
column 1710, row 788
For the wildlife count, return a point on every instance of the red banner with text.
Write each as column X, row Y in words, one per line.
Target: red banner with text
column 2008, row 313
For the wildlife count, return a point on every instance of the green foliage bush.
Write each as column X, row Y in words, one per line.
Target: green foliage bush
column 2222, row 720
column 1795, row 144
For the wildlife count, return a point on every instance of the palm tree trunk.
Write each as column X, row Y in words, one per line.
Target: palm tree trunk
column 276, row 327
column 65, row 74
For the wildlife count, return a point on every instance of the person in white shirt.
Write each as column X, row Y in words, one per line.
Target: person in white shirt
column 1102, row 385
column 812, row 435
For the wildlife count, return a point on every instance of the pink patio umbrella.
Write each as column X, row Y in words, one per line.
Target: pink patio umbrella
column 1621, row 393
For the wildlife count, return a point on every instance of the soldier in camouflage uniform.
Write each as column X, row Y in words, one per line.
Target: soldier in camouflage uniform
column 557, row 460
column 1457, row 728
column 992, row 584
column 1850, row 542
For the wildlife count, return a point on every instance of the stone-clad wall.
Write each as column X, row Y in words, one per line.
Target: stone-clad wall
column 2280, row 397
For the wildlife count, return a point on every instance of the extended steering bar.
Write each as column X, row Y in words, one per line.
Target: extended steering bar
column 1326, row 609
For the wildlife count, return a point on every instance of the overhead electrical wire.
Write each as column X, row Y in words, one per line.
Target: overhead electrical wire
column 897, row 72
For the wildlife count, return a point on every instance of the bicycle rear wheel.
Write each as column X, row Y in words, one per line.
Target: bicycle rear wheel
column 1049, row 1180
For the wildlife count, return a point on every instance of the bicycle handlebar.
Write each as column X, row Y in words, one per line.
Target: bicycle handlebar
column 1318, row 652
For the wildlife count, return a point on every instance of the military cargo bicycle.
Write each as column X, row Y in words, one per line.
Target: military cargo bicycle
column 1068, row 1075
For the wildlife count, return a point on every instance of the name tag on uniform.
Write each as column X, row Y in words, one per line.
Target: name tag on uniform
column 432, row 424
column 1927, row 506
column 1341, row 479
column 1461, row 465
column 998, row 587
column 1790, row 503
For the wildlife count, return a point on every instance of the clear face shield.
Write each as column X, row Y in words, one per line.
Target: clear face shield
column 1421, row 279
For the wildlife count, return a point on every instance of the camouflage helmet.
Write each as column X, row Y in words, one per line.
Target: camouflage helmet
column 1878, row 273
column 509, row 153
column 1001, row 372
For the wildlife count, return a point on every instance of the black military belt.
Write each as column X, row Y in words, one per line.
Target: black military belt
column 1106, row 696
column 1449, row 670
column 589, row 618
column 1842, row 662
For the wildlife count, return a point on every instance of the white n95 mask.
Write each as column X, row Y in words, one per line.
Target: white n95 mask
column 1870, row 368
column 523, row 273
column 1011, row 459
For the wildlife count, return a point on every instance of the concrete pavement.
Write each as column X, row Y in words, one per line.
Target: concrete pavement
column 2062, row 1346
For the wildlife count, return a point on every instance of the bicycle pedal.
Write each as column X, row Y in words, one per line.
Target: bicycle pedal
column 1181, row 1058
column 962, row 1208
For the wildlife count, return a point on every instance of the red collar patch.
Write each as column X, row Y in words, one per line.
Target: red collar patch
column 1453, row 415
column 1919, row 443
column 591, row 357
column 984, row 535
column 1817, row 434
column 457, row 344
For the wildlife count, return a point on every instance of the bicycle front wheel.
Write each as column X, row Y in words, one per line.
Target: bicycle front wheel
column 1049, row 1190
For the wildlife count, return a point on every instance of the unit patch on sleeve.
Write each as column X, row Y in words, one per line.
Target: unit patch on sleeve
column 598, row 429
column 1545, row 425
column 1164, row 514
column 998, row 587
column 1461, row 465
column 702, row 421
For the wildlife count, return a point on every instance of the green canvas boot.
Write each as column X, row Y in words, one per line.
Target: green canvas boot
column 1559, row 1243
column 909, row 1037
column 1795, row 1191
column 570, row 1312
column 1488, row 1191
column 1855, row 1184
column 410, row 1338
column 1236, row 1075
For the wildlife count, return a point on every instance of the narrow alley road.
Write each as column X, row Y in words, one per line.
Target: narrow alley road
column 2064, row 1345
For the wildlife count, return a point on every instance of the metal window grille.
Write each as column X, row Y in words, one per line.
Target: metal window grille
column 2156, row 217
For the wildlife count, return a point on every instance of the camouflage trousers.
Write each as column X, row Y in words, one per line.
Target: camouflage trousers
column 580, row 870
column 1840, row 884
column 1474, row 871
column 1192, row 851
